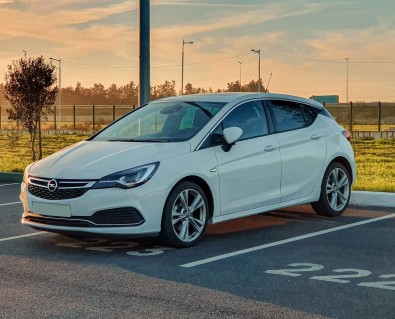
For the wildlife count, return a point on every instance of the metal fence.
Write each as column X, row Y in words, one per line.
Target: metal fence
column 375, row 120
column 74, row 118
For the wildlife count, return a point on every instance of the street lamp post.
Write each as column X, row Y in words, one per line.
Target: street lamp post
column 60, row 89
column 347, row 80
column 240, row 62
column 182, row 64
column 259, row 68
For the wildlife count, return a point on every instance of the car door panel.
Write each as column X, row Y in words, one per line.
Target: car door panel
column 249, row 176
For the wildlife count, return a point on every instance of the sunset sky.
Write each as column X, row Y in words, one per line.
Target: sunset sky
column 303, row 43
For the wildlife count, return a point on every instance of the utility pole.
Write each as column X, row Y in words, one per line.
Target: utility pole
column 240, row 62
column 347, row 81
column 144, row 84
column 259, row 68
column 60, row 90
column 182, row 64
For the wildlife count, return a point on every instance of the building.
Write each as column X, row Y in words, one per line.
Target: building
column 325, row 98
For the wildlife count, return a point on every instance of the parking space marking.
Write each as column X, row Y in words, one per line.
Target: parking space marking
column 13, row 203
column 9, row 184
column 282, row 242
column 22, row 236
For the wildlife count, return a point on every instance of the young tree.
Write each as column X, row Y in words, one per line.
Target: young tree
column 29, row 88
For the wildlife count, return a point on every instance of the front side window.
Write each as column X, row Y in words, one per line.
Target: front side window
column 287, row 115
column 161, row 122
column 250, row 117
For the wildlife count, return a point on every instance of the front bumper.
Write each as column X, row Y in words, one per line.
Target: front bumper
column 133, row 212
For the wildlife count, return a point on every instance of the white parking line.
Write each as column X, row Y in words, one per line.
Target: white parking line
column 13, row 203
column 282, row 242
column 22, row 236
column 9, row 184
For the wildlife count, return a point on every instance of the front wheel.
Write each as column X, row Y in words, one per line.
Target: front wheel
column 185, row 215
column 335, row 191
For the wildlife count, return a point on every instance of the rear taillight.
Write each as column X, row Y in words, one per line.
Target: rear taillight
column 347, row 135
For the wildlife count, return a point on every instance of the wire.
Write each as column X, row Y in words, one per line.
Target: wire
column 233, row 57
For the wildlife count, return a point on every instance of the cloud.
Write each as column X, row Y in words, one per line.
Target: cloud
column 260, row 15
column 371, row 44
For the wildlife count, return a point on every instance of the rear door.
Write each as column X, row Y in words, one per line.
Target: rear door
column 302, row 147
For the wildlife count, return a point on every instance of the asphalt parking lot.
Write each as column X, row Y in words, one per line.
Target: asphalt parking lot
column 289, row 263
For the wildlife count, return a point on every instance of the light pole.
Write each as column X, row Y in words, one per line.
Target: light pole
column 60, row 89
column 240, row 62
column 182, row 64
column 259, row 68
column 347, row 80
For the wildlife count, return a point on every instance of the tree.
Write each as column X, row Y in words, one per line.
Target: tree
column 250, row 87
column 29, row 88
column 189, row 89
column 163, row 90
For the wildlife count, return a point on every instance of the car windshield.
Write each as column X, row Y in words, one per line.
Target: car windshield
column 161, row 122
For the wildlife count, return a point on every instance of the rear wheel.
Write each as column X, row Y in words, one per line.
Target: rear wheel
column 335, row 191
column 185, row 215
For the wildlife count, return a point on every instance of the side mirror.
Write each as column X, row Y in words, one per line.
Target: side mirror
column 231, row 135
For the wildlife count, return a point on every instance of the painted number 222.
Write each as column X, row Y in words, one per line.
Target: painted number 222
column 346, row 273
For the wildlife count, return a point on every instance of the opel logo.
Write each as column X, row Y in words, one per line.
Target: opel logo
column 52, row 185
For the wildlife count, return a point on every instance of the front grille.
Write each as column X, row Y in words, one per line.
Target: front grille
column 117, row 217
column 66, row 189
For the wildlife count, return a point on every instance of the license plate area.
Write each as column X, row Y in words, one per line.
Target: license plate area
column 55, row 210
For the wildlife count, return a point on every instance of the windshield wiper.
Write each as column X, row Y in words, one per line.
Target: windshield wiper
column 149, row 140
column 123, row 140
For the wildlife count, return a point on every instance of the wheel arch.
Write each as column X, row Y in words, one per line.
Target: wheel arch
column 203, row 184
column 342, row 160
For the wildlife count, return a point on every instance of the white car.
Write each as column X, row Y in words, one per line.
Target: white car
column 176, row 164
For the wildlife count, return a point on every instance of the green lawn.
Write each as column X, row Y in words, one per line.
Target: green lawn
column 375, row 165
column 375, row 158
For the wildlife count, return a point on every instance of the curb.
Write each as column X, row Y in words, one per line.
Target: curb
column 11, row 177
column 358, row 198
column 373, row 199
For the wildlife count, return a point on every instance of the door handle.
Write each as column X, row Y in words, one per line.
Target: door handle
column 316, row 136
column 269, row 148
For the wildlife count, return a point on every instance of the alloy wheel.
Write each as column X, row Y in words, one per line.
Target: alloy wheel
column 188, row 215
column 337, row 189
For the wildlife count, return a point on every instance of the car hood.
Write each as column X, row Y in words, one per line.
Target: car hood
column 96, row 159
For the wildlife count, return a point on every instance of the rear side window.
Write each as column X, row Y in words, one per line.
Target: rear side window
column 310, row 114
column 287, row 115
column 326, row 113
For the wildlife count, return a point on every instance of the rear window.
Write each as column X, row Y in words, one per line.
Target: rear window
column 325, row 112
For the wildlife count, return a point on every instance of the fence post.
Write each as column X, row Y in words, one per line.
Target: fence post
column 351, row 117
column 113, row 113
column 74, row 117
column 93, row 117
column 379, row 119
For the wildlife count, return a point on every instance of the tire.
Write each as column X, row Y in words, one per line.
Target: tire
column 185, row 215
column 335, row 191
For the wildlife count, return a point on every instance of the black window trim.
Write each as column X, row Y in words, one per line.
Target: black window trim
column 301, row 105
column 269, row 121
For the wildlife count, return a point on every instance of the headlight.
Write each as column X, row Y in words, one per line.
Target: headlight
column 26, row 173
column 128, row 179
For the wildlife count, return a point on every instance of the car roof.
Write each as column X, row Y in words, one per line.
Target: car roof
column 238, row 97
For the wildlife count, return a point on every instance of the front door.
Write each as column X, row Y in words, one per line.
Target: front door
column 250, row 172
